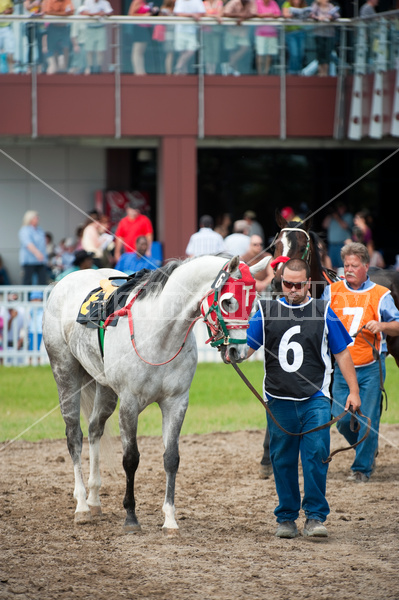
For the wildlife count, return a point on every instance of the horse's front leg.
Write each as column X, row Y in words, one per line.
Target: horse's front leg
column 172, row 420
column 265, row 467
column 68, row 375
column 128, row 417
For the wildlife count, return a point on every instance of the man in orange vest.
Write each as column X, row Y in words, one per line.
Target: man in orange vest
column 368, row 313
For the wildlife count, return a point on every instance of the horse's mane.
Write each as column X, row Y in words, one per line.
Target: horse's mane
column 153, row 283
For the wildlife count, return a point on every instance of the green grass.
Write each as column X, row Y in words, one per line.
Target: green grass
column 219, row 401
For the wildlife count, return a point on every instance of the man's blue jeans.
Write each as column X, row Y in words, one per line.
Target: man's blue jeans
column 370, row 394
column 313, row 448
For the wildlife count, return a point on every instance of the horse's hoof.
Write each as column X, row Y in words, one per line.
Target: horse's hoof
column 95, row 511
column 83, row 517
column 265, row 471
column 132, row 528
column 170, row 532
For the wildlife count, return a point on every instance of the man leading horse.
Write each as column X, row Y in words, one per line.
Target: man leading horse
column 368, row 313
column 298, row 334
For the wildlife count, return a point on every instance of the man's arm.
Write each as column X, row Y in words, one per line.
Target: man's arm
column 118, row 248
column 348, row 370
column 387, row 328
column 35, row 251
column 250, row 352
column 150, row 239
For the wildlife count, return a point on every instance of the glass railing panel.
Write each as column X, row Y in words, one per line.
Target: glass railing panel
column 145, row 48
column 174, row 46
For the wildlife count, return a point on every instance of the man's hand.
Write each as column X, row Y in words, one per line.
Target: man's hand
column 353, row 401
column 387, row 327
column 374, row 326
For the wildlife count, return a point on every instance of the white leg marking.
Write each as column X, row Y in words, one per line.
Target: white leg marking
column 80, row 492
column 94, row 482
column 170, row 521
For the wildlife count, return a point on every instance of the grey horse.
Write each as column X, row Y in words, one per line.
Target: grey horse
column 134, row 367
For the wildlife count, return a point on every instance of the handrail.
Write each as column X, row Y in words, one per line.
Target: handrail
column 167, row 20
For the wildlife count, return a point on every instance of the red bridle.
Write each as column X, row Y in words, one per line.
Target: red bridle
column 214, row 311
column 228, row 306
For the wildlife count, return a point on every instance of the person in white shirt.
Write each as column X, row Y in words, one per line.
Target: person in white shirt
column 237, row 243
column 186, row 39
column 205, row 241
column 96, row 33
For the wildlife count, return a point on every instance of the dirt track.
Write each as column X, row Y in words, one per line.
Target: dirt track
column 226, row 548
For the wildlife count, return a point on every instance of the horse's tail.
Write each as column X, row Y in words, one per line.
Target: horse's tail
column 87, row 394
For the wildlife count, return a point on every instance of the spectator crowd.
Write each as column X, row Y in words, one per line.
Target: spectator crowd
column 86, row 46
column 129, row 246
column 130, row 242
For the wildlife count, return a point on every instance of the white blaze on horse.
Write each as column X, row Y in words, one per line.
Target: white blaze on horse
column 149, row 356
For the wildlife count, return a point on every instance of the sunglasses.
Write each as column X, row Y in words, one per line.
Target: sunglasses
column 291, row 284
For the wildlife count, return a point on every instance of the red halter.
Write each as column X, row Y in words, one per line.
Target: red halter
column 229, row 305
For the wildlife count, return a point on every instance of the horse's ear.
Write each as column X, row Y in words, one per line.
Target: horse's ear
column 233, row 264
column 262, row 264
column 281, row 222
column 307, row 221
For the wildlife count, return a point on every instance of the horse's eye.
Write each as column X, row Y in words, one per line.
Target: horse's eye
column 229, row 304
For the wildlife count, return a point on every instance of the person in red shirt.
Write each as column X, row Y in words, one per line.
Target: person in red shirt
column 130, row 228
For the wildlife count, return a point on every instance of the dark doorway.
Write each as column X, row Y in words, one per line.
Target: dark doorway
column 232, row 181
column 134, row 170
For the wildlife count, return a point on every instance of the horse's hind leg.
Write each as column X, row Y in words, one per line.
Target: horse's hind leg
column 104, row 405
column 68, row 374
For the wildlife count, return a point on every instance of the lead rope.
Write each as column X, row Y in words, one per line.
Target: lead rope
column 355, row 426
column 377, row 357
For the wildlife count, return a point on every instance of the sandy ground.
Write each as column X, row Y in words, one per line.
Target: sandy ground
column 226, row 548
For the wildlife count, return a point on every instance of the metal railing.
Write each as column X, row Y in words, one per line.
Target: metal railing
column 151, row 45
column 21, row 333
column 20, row 325
column 160, row 35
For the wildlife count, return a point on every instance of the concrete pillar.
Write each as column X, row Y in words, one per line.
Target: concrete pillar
column 177, row 193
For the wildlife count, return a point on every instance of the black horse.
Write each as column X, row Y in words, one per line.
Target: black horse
column 297, row 240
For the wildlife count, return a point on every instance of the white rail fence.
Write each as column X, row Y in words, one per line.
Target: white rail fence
column 21, row 342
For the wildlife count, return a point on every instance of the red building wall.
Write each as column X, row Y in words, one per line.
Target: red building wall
column 167, row 108
column 158, row 105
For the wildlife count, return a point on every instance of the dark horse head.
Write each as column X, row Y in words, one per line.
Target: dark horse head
column 296, row 240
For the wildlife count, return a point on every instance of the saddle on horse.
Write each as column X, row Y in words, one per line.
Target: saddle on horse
column 111, row 296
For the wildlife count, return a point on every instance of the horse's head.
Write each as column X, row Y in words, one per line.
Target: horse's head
column 227, row 308
column 293, row 241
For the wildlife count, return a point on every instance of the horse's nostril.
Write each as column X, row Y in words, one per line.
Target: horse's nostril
column 233, row 354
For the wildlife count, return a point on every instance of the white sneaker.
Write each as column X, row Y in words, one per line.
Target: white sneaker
column 314, row 528
column 287, row 529
column 358, row 477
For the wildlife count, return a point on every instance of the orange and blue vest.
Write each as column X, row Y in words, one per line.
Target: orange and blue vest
column 355, row 308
